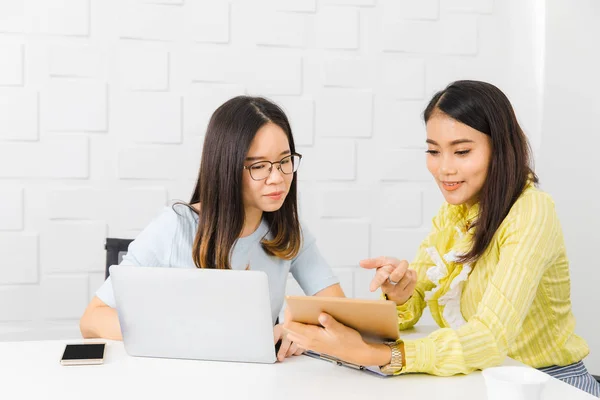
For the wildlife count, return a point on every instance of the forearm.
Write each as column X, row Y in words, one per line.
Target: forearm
column 380, row 354
column 480, row 343
column 331, row 291
column 101, row 322
column 372, row 354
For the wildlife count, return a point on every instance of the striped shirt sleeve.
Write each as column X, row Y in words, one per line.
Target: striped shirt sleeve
column 410, row 312
column 529, row 241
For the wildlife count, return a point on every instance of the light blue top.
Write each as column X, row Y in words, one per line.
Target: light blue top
column 168, row 242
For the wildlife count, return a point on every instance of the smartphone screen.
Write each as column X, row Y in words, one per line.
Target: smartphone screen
column 83, row 354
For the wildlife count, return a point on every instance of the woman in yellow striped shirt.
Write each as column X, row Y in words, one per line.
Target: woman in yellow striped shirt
column 493, row 270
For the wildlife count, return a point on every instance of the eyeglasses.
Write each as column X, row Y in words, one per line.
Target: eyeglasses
column 262, row 169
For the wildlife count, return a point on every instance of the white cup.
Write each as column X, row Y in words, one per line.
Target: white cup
column 514, row 383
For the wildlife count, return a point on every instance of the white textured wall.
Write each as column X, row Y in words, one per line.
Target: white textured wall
column 103, row 104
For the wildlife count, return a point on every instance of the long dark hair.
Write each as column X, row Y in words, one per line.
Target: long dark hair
column 229, row 135
column 484, row 107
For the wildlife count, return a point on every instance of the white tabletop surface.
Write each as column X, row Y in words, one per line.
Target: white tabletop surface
column 31, row 370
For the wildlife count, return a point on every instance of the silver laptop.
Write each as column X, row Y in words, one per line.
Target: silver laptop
column 202, row 314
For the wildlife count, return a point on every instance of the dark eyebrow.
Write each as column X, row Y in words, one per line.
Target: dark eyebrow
column 283, row 153
column 452, row 143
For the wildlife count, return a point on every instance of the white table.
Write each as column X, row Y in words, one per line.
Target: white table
column 31, row 370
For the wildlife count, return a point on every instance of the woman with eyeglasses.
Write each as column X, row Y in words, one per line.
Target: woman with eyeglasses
column 243, row 214
column 493, row 270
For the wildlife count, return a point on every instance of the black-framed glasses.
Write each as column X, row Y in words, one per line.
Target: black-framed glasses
column 262, row 169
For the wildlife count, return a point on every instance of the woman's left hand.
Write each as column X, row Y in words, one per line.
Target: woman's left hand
column 334, row 339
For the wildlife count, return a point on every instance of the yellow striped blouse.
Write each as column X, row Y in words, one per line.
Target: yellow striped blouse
column 514, row 300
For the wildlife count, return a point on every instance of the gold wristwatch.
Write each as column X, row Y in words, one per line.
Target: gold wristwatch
column 395, row 364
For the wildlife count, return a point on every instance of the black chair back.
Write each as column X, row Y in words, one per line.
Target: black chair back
column 115, row 250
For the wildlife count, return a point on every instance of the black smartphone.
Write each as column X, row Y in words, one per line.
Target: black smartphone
column 83, row 354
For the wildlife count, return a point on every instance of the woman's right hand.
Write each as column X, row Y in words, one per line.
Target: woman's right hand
column 287, row 348
column 393, row 276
